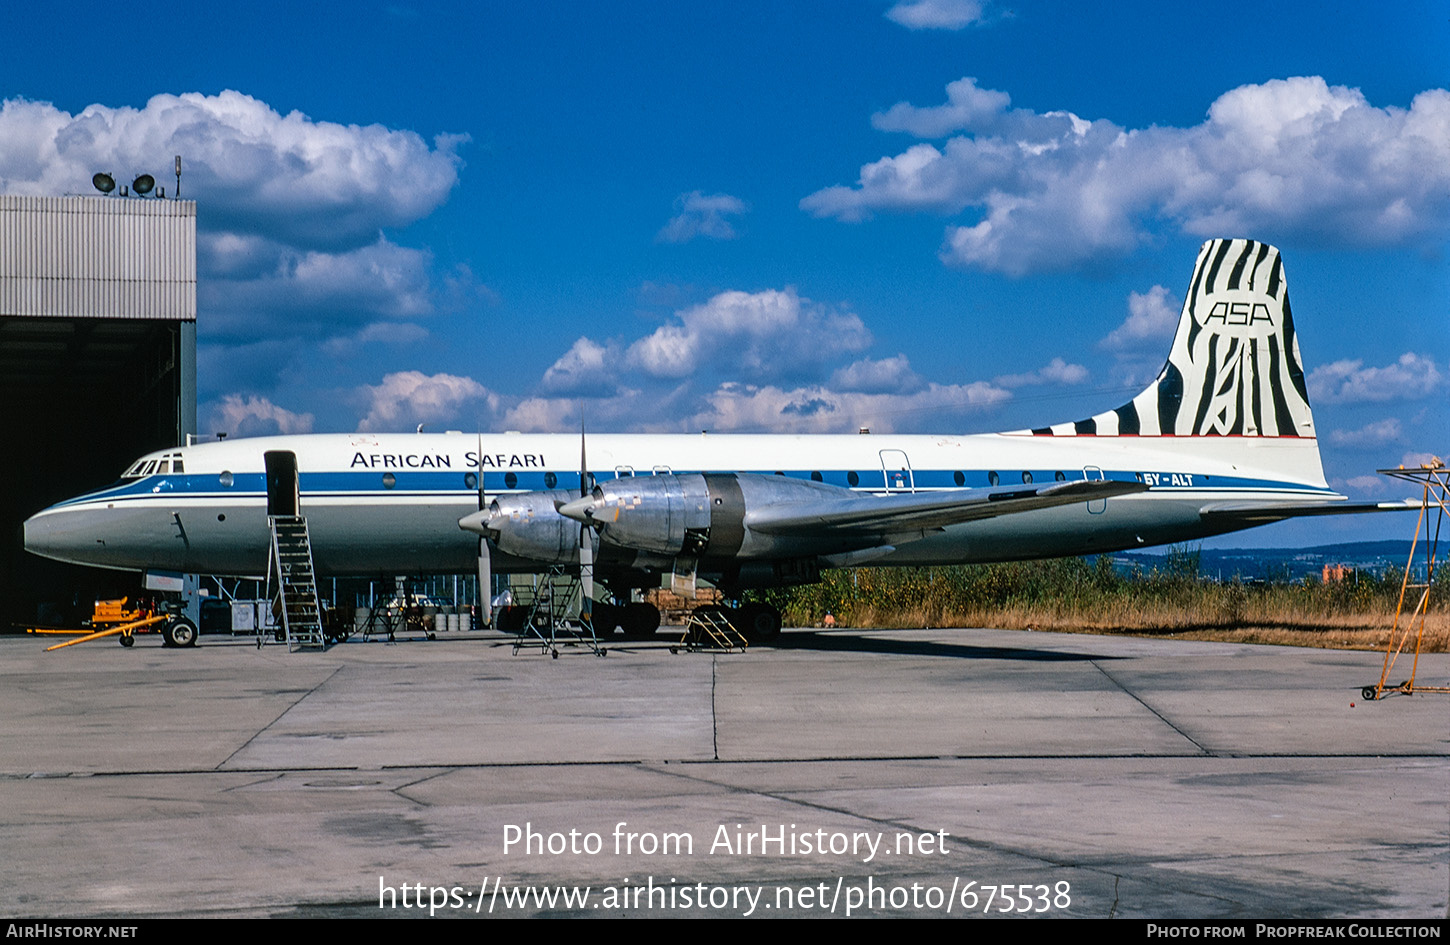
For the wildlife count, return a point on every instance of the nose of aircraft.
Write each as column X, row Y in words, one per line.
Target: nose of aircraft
column 58, row 534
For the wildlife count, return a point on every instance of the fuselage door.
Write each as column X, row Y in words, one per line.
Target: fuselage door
column 897, row 470
column 283, row 496
column 1095, row 474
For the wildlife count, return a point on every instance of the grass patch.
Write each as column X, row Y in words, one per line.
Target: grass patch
column 1080, row 596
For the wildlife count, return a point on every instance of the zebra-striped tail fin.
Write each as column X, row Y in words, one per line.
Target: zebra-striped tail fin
column 1234, row 369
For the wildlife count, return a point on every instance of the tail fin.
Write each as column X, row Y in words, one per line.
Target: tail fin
column 1234, row 369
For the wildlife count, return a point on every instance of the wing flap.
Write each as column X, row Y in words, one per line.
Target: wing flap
column 865, row 514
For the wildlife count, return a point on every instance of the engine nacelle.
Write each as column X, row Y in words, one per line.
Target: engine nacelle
column 702, row 516
column 528, row 525
column 664, row 515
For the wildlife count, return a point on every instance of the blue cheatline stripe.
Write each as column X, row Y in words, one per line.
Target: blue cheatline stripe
column 453, row 484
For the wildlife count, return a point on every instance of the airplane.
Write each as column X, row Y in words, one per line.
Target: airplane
column 1222, row 440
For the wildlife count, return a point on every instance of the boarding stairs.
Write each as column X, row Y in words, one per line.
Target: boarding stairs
column 710, row 628
column 292, row 584
column 555, row 614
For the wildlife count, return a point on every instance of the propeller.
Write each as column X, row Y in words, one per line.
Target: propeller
column 586, row 536
column 485, row 559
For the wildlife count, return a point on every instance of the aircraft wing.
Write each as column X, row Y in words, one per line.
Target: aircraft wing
column 1261, row 513
column 864, row 514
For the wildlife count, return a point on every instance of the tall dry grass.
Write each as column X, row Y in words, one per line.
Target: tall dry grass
column 1075, row 595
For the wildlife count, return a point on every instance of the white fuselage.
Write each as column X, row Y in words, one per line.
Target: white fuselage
column 390, row 503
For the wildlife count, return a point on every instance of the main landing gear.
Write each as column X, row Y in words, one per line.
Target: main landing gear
column 179, row 632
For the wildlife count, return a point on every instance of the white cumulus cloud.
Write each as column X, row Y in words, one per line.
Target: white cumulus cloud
column 968, row 107
column 586, row 369
column 1056, row 371
column 767, row 361
column 936, row 14
column 701, row 214
column 760, row 335
column 406, row 398
column 1411, row 377
column 1290, row 158
column 1152, row 319
column 312, row 292
column 883, row 376
column 249, row 415
column 307, row 182
column 392, row 334
column 1371, row 485
column 1377, row 433
column 290, row 237
column 749, row 409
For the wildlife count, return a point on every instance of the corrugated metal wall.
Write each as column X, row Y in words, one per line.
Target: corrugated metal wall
column 98, row 257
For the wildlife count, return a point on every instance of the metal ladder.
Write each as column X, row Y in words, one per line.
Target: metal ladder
column 554, row 606
column 710, row 628
column 293, row 584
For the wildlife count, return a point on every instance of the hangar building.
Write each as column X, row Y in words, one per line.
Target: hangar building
column 97, row 366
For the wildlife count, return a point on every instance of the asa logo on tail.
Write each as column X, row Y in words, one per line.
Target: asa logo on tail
column 1247, row 313
column 1239, row 312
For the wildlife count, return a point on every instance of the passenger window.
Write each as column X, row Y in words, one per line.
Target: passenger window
column 959, row 477
column 993, row 478
column 816, row 476
column 1026, row 476
column 389, row 480
column 510, row 481
column 852, row 478
column 550, row 480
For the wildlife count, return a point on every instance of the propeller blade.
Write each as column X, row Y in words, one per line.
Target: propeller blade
column 586, row 481
column 586, row 536
column 485, row 582
column 586, row 571
column 485, row 555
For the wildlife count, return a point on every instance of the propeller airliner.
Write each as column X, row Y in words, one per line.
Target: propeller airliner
column 1222, row 440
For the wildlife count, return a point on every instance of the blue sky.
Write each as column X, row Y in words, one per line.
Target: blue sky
column 937, row 216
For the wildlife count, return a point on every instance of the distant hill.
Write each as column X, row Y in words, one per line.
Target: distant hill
column 1260, row 564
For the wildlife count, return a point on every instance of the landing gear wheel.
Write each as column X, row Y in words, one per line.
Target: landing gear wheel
column 512, row 619
column 1369, row 693
column 641, row 620
column 759, row 622
column 604, row 618
column 127, row 640
column 180, row 632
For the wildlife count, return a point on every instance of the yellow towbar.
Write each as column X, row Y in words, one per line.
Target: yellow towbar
column 126, row 629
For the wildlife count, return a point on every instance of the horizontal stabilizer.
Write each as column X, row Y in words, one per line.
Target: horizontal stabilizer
column 1260, row 514
column 881, row 514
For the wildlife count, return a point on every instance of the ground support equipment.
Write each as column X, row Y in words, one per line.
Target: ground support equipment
column 1434, row 480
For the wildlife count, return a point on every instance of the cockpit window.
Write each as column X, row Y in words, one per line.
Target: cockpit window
column 147, row 466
